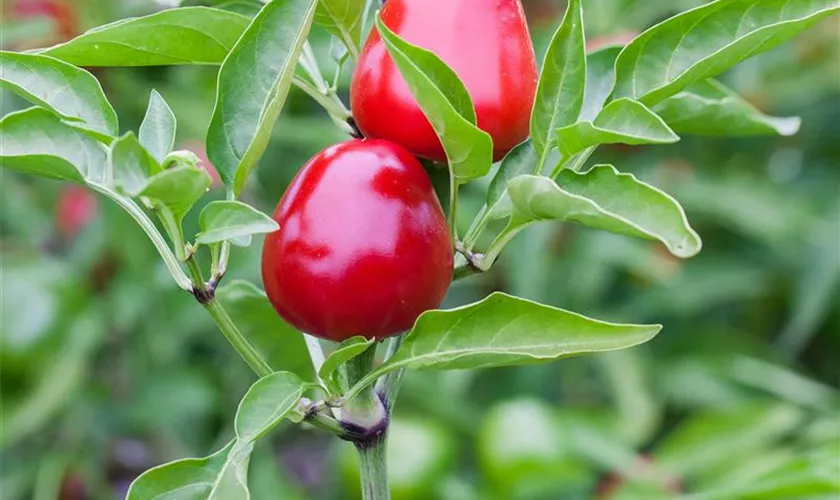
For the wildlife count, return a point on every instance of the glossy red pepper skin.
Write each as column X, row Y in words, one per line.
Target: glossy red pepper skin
column 363, row 246
column 486, row 43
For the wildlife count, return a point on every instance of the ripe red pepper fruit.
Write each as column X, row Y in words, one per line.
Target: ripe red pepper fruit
column 363, row 246
column 486, row 43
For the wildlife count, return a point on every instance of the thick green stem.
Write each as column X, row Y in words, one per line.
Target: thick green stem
column 453, row 206
column 389, row 385
column 374, row 468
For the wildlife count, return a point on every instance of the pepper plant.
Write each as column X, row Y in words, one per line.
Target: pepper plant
column 645, row 93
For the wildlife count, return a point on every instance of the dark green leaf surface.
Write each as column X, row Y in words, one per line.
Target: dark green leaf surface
column 157, row 132
column 189, row 35
column 278, row 343
column 343, row 18
column 710, row 108
column 130, row 165
column 605, row 199
column 600, row 80
column 232, row 220
column 708, row 40
column 502, row 330
column 560, row 91
column 446, row 104
column 265, row 404
column 620, row 122
column 253, row 84
column 71, row 92
column 37, row 142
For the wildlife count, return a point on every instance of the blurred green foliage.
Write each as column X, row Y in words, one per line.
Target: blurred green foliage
column 107, row 368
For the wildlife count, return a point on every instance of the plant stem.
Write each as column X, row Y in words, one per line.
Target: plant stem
column 330, row 101
column 374, row 468
column 244, row 348
column 152, row 232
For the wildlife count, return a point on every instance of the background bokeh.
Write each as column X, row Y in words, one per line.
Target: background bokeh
column 108, row 369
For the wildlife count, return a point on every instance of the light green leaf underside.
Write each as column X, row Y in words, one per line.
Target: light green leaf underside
column 343, row 18
column 710, row 108
column 605, row 199
column 620, row 122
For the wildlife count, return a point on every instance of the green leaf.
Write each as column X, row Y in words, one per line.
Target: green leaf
column 815, row 474
column 502, row 330
column 230, row 220
column 345, row 351
column 446, row 104
column 37, row 142
column 708, row 40
column 221, row 476
column 620, row 122
column 157, row 132
column 70, row 92
column 278, row 343
column 189, row 35
column 605, row 199
column 265, row 404
column 130, row 165
column 520, row 160
column 710, row 108
column 178, row 188
column 562, row 81
column 253, row 84
column 711, row 438
column 343, row 18
column 249, row 8
column 600, row 79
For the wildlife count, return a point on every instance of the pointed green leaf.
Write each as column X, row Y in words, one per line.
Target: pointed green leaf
column 520, row 160
column 253, row 84
column 189, row 35
column 708, row 40
column 446, row 104
column 605, row 199
column 345, row 351
column 710, row 108
column 502, row 330
column 277, row 342
column 221, row 476
column 343, row 18
column 157, row 132
column 560, row 91
column 70, row 92
column 249, row 8
column 228, row 220
column 600, row 79
column 178, row 188
column 620, row 122
column 130, row 165
column 37, row 142
column 265, row 404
